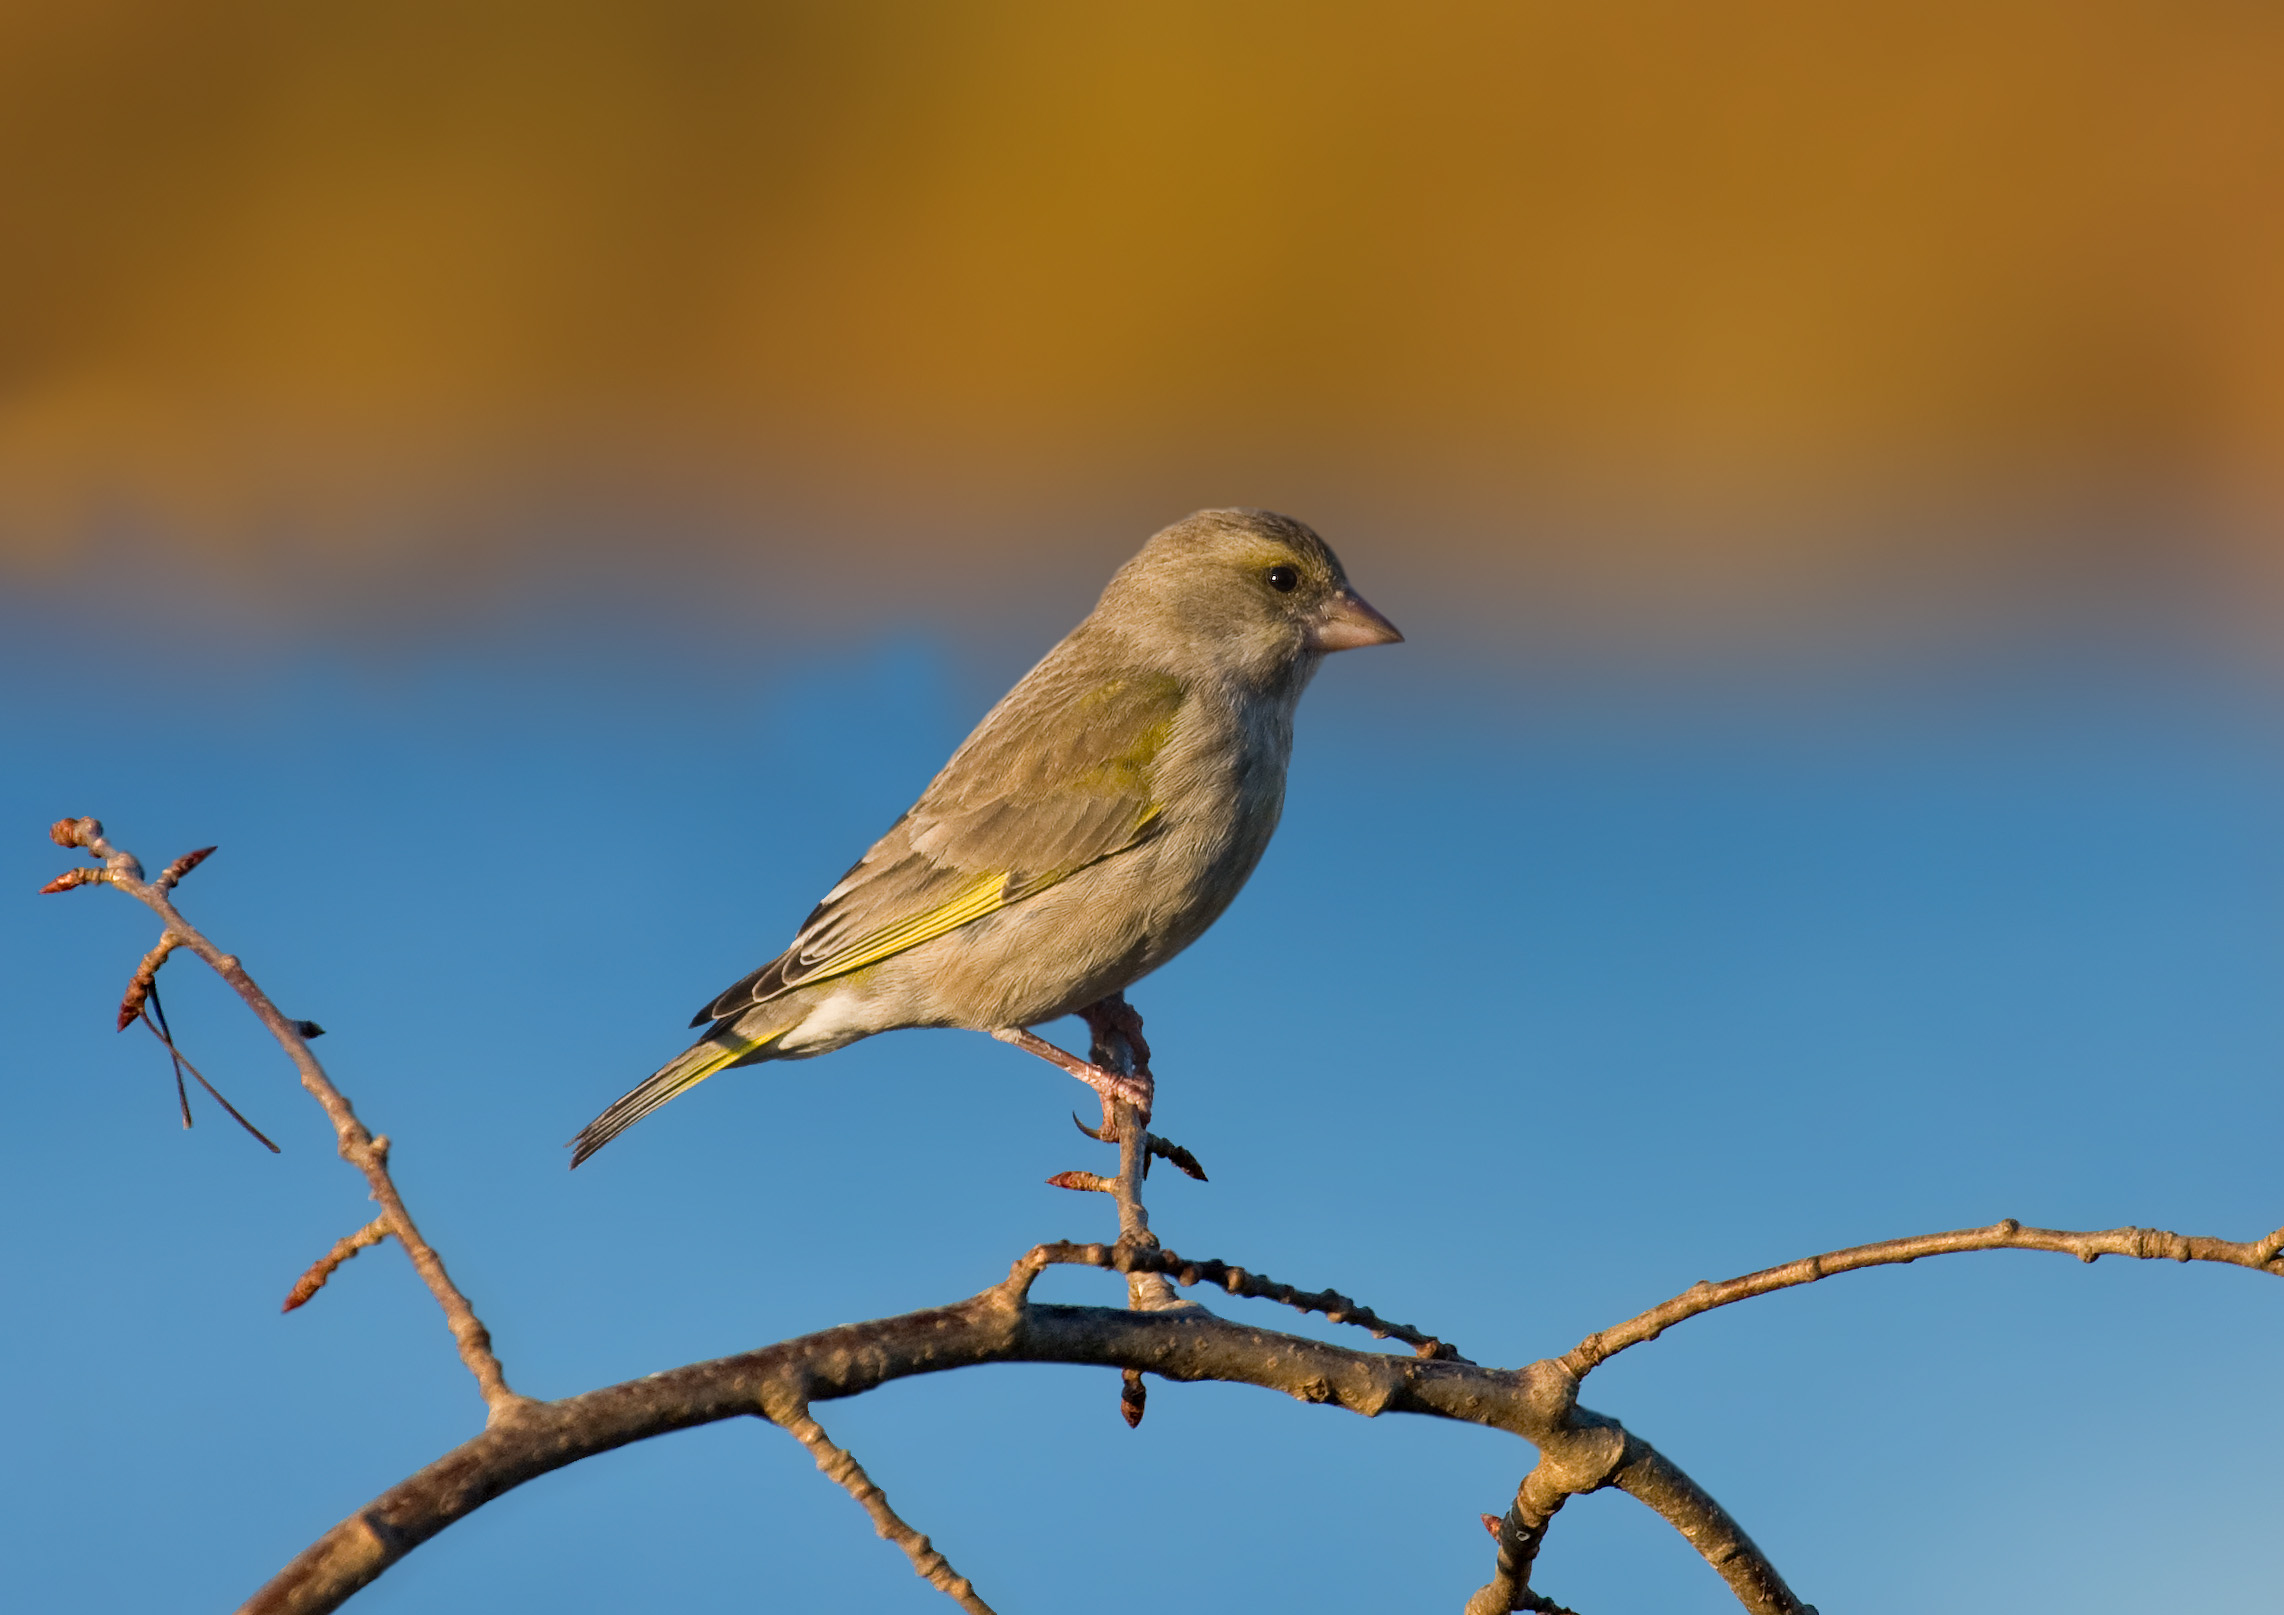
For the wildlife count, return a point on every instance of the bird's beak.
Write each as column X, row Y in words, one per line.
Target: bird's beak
column 1346, row 622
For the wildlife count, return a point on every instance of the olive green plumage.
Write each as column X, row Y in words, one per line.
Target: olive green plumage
column 1101, row 816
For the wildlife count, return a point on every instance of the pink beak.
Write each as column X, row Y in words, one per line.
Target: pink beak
column 1347, row 623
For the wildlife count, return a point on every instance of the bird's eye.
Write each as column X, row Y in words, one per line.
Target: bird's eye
column 1284, row 579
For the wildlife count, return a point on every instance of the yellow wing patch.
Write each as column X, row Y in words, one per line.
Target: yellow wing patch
column 980, row 896
column 1128, row 773
column 1123, row 770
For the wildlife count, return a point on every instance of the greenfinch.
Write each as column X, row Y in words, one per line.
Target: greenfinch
column 1101, row 816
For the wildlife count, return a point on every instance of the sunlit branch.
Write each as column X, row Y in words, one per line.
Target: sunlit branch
column 997, row 1326
column 368, row 1153
column 840, row 1467
column 2148, row 1244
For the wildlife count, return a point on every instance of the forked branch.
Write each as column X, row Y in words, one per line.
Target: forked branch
column 1522, row 1529
column 1157, row 1333
column 358, row 1145
column 997, row 1326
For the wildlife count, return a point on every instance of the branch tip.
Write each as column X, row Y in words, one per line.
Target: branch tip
column 75, row 832
column 320, row 1270
column 181, row 867
column 2145, row 1244
column 1165, row 1149
column 146, row 978
column 368, row 1154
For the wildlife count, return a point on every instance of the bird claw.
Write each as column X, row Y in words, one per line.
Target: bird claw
column 1107, row 1135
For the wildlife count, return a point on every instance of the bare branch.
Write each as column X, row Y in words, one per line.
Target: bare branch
column 1336, row 1307
column 998, row 1326
column 1085, row 1182
column 1519, row 1533
column 2148, row 1244
column 1590, row 1452
column 173, row 873
column 320, row 1270
column 1652, row 1478
column 146, row 977
column 1118, row 1047
column 358, row 1146
column 1165, row 1149
column 845, row 1472
column 1160, row 1333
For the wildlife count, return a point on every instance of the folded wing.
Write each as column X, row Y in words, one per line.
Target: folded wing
column 1060, row 775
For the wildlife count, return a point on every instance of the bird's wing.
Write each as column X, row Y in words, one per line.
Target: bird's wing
column 1059, row 776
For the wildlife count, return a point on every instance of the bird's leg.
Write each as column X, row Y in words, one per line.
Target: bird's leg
column 1115, row 1014
column 1111, row 1022
column 1134, row 1090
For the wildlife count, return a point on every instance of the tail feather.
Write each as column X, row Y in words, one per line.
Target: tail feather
column 685, row 1071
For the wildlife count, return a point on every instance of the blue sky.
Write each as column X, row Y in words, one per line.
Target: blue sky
column 1567, row 982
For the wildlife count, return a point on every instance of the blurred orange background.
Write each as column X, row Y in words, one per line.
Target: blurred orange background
column 342, row 310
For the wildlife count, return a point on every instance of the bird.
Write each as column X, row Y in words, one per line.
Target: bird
column 1096, row 822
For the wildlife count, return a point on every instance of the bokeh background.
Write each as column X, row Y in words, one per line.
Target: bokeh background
column 543, row 485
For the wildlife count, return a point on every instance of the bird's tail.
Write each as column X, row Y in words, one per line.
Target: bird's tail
column 723, row 1048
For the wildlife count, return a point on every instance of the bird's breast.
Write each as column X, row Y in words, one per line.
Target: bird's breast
column 1222, row 796
column 1218, row 786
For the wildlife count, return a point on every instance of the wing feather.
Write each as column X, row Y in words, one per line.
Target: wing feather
column 1060, row 775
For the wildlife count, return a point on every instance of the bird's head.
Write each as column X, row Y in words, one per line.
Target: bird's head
column 1247, row 594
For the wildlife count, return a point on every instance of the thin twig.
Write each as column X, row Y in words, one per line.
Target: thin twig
column 173, row 873
column 182, row 1064
column 842, row 1468
column 1085, row 1182
column 1337, row 1308
column 358, row 1145
column 2148, row 1244
column 146, row 978
column 1116, row 1031
column 1118, row 1045
column 174, row 1056
column 320, row 1270
column 1165, row 1149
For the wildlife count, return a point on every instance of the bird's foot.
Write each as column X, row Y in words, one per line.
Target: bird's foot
column 1137, row 1090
